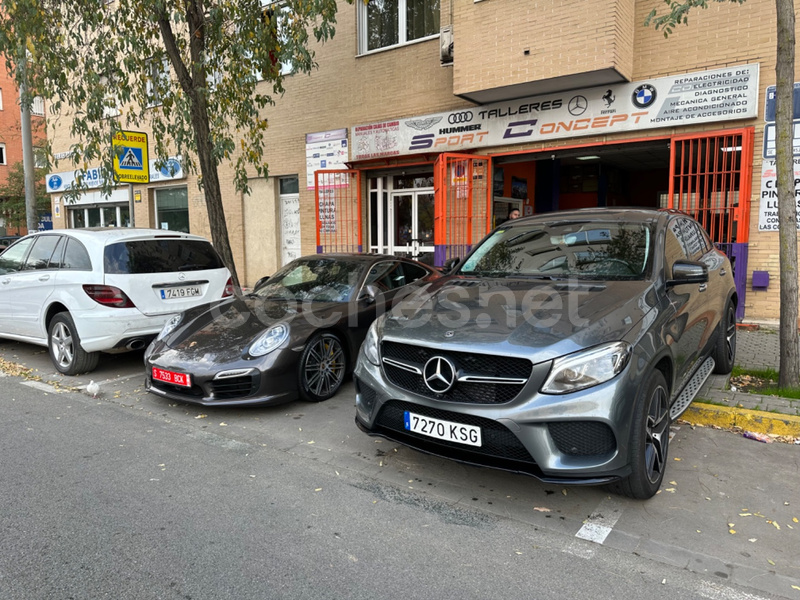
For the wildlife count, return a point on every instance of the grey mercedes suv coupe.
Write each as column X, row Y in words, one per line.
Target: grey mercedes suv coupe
column 563, row 346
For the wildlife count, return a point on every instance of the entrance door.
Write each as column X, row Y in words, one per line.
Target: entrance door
column 411, row 225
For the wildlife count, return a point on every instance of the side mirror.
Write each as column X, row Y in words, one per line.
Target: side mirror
column 260, row 283
column 369, row 293
column 450, row 265
column 685, row 271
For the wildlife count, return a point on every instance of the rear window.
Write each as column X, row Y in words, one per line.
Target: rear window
column 160, row 256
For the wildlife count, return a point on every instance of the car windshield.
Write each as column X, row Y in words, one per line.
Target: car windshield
column 597, row 250
column 314, row 280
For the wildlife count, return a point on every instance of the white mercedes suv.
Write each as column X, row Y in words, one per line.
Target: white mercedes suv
column 85, row 291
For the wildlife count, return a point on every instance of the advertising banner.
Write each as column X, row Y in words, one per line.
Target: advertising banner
column 704, row 97
column 768, row 209
column 326, row 150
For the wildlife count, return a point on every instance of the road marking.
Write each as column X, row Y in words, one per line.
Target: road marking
column 38, row 385
column 721, row 592
column 601, row 521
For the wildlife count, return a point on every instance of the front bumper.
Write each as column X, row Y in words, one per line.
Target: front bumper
column 579, row 438
column 268, row 381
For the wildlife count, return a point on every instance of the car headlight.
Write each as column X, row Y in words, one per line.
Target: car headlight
column 269, row 340
column 370, row 345
column 169, row 326
column 586, row 369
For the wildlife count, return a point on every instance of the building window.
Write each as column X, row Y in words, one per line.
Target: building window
column 157, row 81
column 3, row 154
column 172, row 209
column 386, row 23
column 37, row 108
column 116, row 215
column 1, row 99
column 268, row 8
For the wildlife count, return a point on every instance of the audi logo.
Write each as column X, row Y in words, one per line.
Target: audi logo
column 460, row 117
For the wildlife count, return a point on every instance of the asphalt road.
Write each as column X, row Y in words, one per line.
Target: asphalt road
column 130, row 496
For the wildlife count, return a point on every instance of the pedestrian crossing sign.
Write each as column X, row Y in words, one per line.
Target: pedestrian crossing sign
column 131, row 164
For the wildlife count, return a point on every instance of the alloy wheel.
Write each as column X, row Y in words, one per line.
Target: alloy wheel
column 324, row 368
column 656, row 434
column 62, row 345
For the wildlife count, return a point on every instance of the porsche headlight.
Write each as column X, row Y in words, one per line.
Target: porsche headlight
column 371, row 345
column 169, row 326
column 586, row 369
column 269, row 340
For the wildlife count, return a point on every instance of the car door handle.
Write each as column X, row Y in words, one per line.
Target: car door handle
column 44, row 277
column 703, row 287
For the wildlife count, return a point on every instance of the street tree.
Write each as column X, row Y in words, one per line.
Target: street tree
column 12, row 196
column 197, row 73
column 677, row 14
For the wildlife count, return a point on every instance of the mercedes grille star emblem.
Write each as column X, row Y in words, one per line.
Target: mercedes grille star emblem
column 439, row 374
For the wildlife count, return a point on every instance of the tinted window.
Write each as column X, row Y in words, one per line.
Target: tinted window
column 414, row 272
column 597, row 250
column 11, row 259
column 39, row 256
column 76, row 257
column 386, row 275
column 160, row 256
column 58, row 253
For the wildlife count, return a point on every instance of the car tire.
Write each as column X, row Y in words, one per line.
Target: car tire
column 322, row 367
column 649, row 440
column 725, row 349
column 65, row 348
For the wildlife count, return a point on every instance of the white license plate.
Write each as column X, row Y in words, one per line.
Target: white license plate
column 443, row 430
column 186, row 291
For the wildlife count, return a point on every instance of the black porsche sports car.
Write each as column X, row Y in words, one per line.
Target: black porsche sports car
column 297, row 334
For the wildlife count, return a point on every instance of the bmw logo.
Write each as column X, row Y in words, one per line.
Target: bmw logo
column 644, row 95
column 54, row 182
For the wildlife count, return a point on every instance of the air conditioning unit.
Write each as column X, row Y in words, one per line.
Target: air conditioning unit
column 446, row 45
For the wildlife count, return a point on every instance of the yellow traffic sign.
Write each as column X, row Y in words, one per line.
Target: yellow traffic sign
column 131, row 164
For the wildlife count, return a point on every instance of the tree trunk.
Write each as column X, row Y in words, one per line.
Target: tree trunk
column 190, row 82
column 787, row 206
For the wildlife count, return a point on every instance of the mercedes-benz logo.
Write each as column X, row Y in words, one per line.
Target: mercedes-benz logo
column 577, row 105
column 181, row 276
column 439, row 374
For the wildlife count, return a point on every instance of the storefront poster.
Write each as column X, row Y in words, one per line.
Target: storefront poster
column 326, row 150
column 768, row 209
column 688, row 99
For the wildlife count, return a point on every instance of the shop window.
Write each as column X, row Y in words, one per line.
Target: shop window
column 289, row 185
column 172, row 209
column 386, row 23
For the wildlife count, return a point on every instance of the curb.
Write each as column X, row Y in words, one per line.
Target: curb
column 728, row 417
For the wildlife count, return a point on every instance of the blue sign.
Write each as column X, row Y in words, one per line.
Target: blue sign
column 769, row 104
column 131, row 159
column 45, row 222
column 54, row 182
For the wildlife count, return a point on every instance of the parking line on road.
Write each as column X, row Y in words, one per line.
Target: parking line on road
column 38, row 385
column 601, row 522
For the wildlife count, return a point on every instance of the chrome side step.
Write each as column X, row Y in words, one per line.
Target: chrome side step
column 691, row 389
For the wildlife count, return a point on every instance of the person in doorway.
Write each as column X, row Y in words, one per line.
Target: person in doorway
column 513, row 214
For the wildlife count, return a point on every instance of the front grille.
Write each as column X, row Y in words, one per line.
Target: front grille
column 233, row 387
column 582, row 438
column 498, row 441
column 469, row 363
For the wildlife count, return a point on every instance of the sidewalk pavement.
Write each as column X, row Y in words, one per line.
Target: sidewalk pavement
column 717, row 405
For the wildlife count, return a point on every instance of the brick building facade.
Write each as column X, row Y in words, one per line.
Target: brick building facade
column 538, row 104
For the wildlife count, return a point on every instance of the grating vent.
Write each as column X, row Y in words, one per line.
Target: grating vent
column 582, row 438
column 233, row 387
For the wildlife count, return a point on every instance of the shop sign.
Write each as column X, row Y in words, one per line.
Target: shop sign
column 703, row 97
column 326, row 150
column 171, row 169
column 769, row 140
column 61, row 182
column 769, row 103
column 768, row 209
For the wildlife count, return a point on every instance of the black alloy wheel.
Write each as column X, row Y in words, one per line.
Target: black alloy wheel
column 322, row 367
column 649, row 441
column 725, row 350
